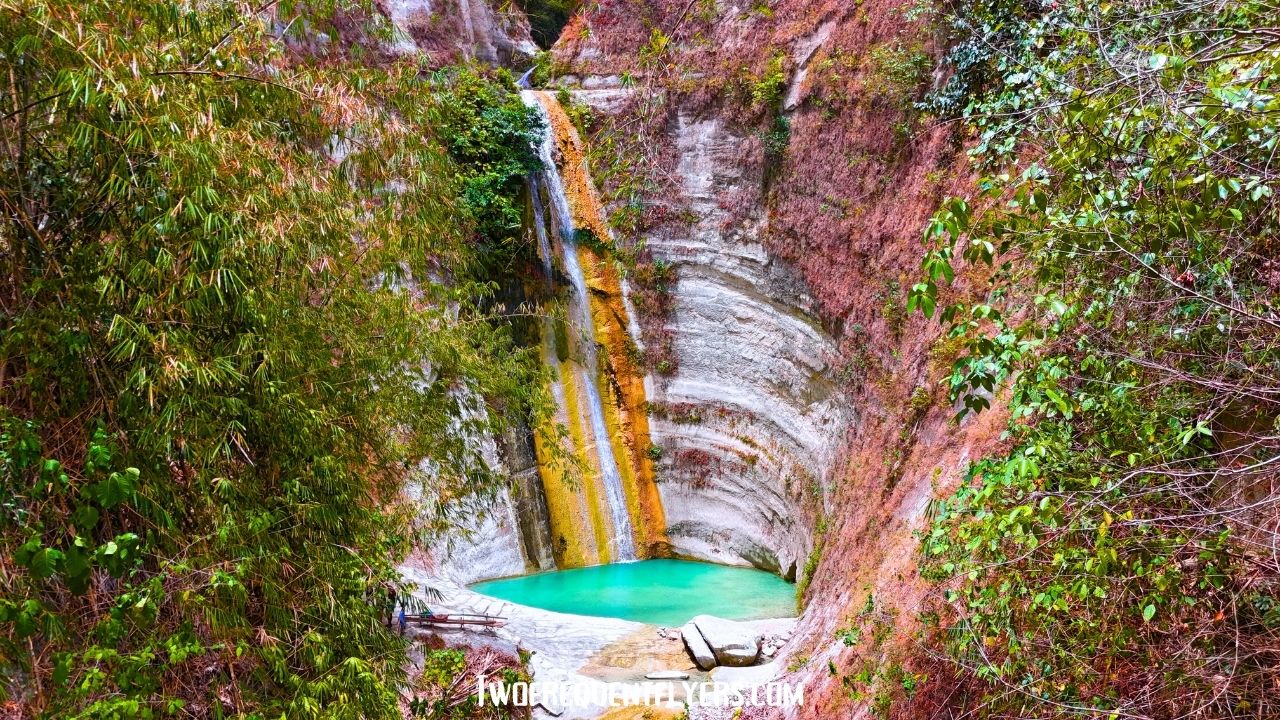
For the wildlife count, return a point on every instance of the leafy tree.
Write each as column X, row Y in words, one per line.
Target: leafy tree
column 242, row 308
column 488, row 130
column 1119, row 558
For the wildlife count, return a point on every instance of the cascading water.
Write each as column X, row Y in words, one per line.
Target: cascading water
column 596, row 438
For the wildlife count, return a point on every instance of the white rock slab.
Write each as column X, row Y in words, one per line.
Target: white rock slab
column 746, row 677
column 698, row 648
column 734, row 644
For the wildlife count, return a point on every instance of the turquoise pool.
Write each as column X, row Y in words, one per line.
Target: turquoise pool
column 658, row 592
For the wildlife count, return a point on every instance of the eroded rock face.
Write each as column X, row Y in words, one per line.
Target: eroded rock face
column 750, row 422
column 452, row 30
column 505, row 535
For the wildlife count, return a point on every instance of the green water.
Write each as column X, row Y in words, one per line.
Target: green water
column 658, row 592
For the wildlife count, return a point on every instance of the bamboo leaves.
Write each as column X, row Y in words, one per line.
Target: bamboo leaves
column 211, row 399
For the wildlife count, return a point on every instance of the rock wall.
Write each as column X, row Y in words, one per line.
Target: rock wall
column 453, row 30
column 801, row 425
column 747, row 422
column 783, row 172
column 751, row 421
column 500, row 536
column 748, row 428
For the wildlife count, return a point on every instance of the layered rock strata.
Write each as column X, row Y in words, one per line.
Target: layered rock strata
column 749, row 424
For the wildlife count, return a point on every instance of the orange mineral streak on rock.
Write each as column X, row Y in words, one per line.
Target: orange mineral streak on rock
column 583, row 200
column 627, row 412
column 622, row 381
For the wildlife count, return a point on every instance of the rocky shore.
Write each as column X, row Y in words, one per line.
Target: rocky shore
column 591, row 651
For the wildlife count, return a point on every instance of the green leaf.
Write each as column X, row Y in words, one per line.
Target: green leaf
column 1148, row 612
column 62, row 670
column 26, row 551
column 77, row 569
column 116, row 488
column 85, row 518
column 45, row 563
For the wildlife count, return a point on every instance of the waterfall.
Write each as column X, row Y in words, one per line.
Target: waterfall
column 558, row 232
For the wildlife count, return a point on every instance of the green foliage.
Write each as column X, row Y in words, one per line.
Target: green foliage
column 876, row 677
column 811, row 562
column 777, row 138
column 242, row 308
column 445, row 688
column 767, row 90
column 849, row 636
column 896, row 73
column 806, row 573
column 546, row 69
column 653, row 50
column 891, row 307
column 586, row 237
column 579, row 112
column 488, row 130
column 988, row 41
column 765, row 94
column 895, row 78
column 1107, row 562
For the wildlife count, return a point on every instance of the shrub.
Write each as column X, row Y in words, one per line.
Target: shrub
column 767, row 90
column 1105, row 560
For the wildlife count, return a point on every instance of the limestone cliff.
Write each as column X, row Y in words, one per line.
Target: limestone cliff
column 765, row 173
column 746, row 422
column 453, row 30
column 783, row 175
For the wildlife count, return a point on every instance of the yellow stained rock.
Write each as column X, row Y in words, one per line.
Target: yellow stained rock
column 621, row 387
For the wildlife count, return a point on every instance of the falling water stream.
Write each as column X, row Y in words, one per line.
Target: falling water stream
column 562, row 231
column 599, row 396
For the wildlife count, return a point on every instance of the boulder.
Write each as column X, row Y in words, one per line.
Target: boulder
column 733, row 644
column 697, row 647
column 747, row 677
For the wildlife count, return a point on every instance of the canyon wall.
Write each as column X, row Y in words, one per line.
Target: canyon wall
column 449, row 31
column 766, row 171
column 741, row 434
column 786, row 177
column 745, row 422
column 509, row 534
